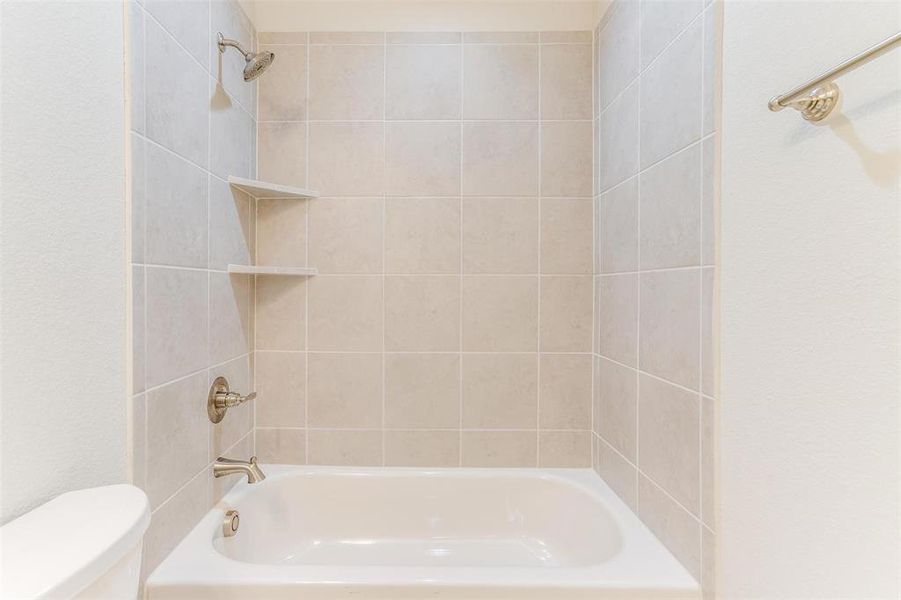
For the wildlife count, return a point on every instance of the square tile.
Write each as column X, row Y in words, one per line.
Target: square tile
column 566, row 81
column 500, row 314
column 566, row 319
column 281, row 232
column 500, row 449
column 618, row 318
column 422, row 313
column 565, row 400
column 617, row 410
column 347, row 159
column 283, row 92
column 343, row 447
column 566, row 158
column 281, row 446
column 617, row 52
column 619, row 140
column 422, row 391
column 347, row 82
column 282, row 153
column 500, row 391
column 670, row 323
column 424, row 82
column 422, row 235
column 177, row 323
column 500, row 82
column 422, row 448
column 346, row 313
column 618, row 228
column 280, row 383
column 564, row 449
column 281, row 308
column 500, row 235
column 500, row 159
column 345, row 390
column 566, row 231
column 423, row 159
column 345, row 235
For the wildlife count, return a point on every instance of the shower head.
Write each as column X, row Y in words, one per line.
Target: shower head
column 255, row 62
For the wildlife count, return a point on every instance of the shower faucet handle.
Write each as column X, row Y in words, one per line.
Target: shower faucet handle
column 221, row 398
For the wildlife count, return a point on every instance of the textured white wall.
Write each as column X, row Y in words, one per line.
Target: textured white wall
column 62, row 250
column 809, row 440
column 425, row 15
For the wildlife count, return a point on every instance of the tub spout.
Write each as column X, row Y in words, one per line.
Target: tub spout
column 227, row 466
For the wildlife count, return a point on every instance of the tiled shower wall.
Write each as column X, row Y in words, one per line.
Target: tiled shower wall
column 656, row 133
column 451, row 322
column 192, row 125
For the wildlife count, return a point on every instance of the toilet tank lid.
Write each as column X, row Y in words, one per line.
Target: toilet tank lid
column 61, row 547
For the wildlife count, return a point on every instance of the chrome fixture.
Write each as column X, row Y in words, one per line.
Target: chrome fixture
column 230, row 523
column 228, row 466
column 255, row 62
column 220, row 399
column 821, row 93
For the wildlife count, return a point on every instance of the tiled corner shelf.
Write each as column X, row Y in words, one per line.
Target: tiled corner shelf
column 254, row 270
column 265, row 189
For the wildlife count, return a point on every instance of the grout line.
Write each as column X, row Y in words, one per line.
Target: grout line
column 307, row 284
column 538, row 336
column 460, row 243
column 384, row 240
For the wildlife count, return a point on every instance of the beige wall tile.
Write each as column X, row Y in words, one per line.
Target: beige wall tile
column 231, row 310
column 280, row 382
column 343, row 447
column 500, row 314
column 423, row 159
column 670, row 212
column 566, row 320
column 500, row 449
column 708, row 202
column 672, row 525
column 617, row 52
column 673, row 120
column 178, row 436
column 422, row 390
column 281, row 232
column 139, row 331
column 708, row 564
column 500, row 391
column 282, row 37
column 708, row 348
column 566, row 158
column 708, row 466
column 346, row 235
column 347, row 37
column 423, row 82
column 500, row 235
column 232, row 223
column 422, row 312
column 176, row 100
column 661, row 22
column 177, row 323
column 422, row 235
column 346, row 313
column 565, row 400
column 425, row 37
column 619, row 139
column 618, row 316
column 668, row 439
column 345, row 390
column 566, row 231
column 280, row 313
column 670, row 321
column 228, row 432
column 283, row 93
column 347, row 159
column 173, row 520
column 500, row 37
column 618, row 228
column 282, row 153
column 176, row 211
column 618, row 473
column 232, row 133
column 565, row 37
column 281, row 446
column 422, row 448
column 347, row 82
column 571, row 449
column 566, row 80
column 500, row 82
column 500, row 159
column 617, row 410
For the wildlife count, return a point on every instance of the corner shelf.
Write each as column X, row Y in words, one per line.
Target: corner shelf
column 253, row 270
column 265, row 189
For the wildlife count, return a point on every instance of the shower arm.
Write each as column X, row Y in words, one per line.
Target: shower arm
column 224, row 41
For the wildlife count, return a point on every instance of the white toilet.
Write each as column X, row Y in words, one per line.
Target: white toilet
column 83, row 544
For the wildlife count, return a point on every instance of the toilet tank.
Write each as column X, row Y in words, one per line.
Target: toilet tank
column 82, row 544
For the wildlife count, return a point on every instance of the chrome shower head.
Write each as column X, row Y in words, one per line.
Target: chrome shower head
column 255, row 62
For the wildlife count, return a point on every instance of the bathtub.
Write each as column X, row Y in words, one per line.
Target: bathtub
column 399, row 533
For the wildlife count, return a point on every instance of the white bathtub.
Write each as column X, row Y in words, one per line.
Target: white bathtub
column 392, row 533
